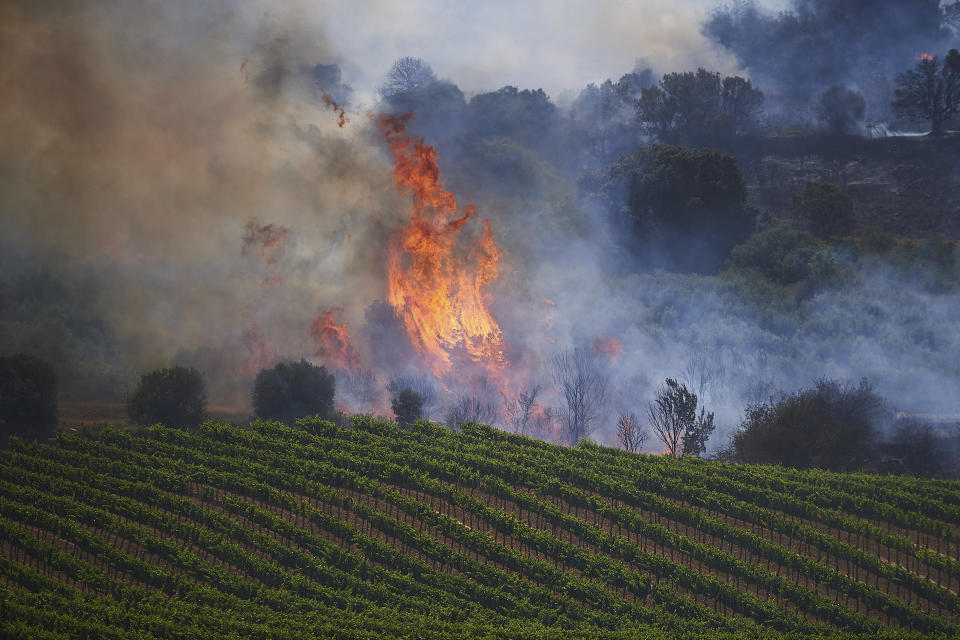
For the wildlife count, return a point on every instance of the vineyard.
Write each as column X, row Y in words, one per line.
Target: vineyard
column 371, row 531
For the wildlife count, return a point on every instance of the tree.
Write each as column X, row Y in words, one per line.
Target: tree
column 831, row 426
column 630, row 433
column 292, row 390
column 519, row 409
column 407, row 405
column 699, row 107
column 174, row 397
column 916, row 450
column 405, row 75
column 673, row 416
column 840, row 109
column 825, row 209
column 583, row 382
column 28, row 397
column 471, row 408
column 930, row 91
column 422, row 385
column 686, row 208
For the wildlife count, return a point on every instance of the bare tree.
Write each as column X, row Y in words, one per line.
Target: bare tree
column 362, row 385
column 673, row 415
column 518, row 409
column 474, row 408
column 630, row 433
column 407, row 74
column 583, row 382
column 424, row 386
column 704, row 369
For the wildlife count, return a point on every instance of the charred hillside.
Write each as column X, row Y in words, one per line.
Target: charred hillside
column 903, row 185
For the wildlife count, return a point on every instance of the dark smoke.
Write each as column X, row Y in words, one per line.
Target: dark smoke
column 796, row 54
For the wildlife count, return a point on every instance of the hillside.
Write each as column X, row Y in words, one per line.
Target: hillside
column 371, row 531
column 905, row 185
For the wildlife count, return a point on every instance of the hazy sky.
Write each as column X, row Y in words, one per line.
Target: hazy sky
column 557, row 45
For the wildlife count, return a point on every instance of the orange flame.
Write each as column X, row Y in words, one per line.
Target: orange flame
column 925, row 56
column 333, row 341
column 609, row 347
column 336, row 108
column 437, row 291
column 260, row 355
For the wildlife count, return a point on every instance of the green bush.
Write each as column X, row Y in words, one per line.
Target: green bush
column 174, row 397
column 781, row 253
column 293, row 390
column 830, row 426
column 407, row 406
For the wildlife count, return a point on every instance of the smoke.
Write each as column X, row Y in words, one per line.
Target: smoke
column 797, row 53
column 198, row 185
column 181, row 162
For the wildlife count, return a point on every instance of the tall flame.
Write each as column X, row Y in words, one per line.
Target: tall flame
column 333, row 341
column 437, row 287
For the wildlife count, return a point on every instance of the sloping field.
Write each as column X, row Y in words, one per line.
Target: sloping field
column 372, row 531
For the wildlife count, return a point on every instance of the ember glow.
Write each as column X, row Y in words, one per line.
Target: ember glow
column 925, row 56
column 437, row 278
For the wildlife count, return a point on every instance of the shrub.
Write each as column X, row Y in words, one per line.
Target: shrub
column 28, row 397
column 407, row 405
column 781, row 253
column 830, row 426
column 292, row 390
column 174, row 397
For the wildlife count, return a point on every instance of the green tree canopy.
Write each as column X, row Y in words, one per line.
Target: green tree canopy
column 293, row 390
column 28, row 397
column 174, row 397
column 407, row 406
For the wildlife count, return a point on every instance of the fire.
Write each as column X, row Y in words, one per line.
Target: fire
column 269, row 242
column 436, row 287
column 609, row 347
column 925, row 56
column 336, row 108
column 260, row 355
column 333, row 341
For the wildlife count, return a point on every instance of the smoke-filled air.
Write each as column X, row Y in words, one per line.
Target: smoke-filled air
column 556, row 218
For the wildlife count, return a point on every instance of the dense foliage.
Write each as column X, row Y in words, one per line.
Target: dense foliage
column 28, row 397
column 292, row 390
column 687, row 208
column 407, row 406
column 174, row 396
column 830, row 426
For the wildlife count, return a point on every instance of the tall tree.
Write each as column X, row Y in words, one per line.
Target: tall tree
column 583, row 382
column 930, row 91
column 699, row 107
column 293, row 390
column 630, row 433
column 28, row 397
column 841, row 109
column 174, row 397
column 519, row 409
column 673, row 416
column 405, row 75
column 406, row 405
